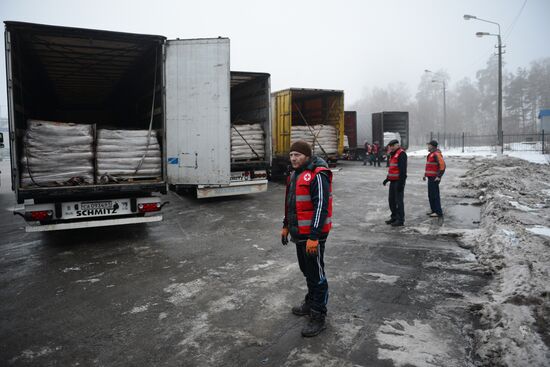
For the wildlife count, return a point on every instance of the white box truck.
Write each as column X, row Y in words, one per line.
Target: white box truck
column 118, row 85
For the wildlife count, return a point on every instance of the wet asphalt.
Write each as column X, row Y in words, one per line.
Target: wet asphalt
column 211, row 285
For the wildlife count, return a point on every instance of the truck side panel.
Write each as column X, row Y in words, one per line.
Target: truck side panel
column 198, row 111
column 350, row 127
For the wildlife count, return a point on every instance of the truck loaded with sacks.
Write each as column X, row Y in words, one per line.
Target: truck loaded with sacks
column 313, row 115
column 101, row 123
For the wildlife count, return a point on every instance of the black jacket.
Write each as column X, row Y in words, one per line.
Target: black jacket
column 319, row 191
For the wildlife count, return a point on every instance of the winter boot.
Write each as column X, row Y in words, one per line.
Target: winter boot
column 390, row 221
column 302, row 310
column 315, row 325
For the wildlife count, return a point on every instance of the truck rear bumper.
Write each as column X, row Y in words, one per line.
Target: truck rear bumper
column 237, row 188
column 91, row 223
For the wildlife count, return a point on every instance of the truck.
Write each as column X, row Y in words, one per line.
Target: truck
column 389, row 125
column 203, row 158
column 116, row 85
column 350, row 130
column 314, row 115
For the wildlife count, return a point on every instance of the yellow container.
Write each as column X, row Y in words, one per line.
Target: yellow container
column 306, row 107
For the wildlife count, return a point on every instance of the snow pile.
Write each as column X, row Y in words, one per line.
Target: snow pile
column 57, row 153
column 515, row 316
column 125, row 154
column 247, row 142
column 325, row 137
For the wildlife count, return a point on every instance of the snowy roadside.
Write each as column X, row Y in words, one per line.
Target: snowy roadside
column 486, row 152
column 513, row 243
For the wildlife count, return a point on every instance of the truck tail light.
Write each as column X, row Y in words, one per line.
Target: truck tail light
column 40, row 215
column 148, row 207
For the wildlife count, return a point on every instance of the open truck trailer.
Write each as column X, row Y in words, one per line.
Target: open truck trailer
column 313, row 115
column 176, row 91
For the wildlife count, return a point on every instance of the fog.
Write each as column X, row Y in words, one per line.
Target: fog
column 350, row 45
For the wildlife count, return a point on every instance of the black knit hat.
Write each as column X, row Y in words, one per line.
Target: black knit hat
column 301, row 146
column 393, row 142
column 433, row 143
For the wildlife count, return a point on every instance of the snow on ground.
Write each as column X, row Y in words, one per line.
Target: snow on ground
column 488, row 152
column 512, row 244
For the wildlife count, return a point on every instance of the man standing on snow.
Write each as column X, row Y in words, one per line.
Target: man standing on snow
column 435, row 168
column 397, row 176
column 308, row 213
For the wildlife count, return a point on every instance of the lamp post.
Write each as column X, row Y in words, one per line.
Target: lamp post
column 442, row 81
column 500, row 137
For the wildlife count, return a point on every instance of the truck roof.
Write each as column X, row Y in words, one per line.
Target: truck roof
column 74, row 31
column 308, row 92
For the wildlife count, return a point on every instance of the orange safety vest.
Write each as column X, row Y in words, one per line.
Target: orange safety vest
column 393, row 170
column 432, row 165
column 304, row 206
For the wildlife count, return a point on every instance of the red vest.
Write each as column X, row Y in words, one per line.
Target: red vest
column 304, row 206
column 393, row 171
column 432, row 166
column 375, row 148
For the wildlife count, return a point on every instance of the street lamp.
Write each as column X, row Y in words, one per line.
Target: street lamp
column 442, row 81
column 500, row 137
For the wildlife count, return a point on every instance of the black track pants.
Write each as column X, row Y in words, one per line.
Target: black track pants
column 313, row 268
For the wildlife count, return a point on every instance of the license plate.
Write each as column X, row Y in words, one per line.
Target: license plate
column 103, row 208
column 97, row 205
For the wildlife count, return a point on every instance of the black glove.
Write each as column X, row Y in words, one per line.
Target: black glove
column 385, row 182
column 284, row 236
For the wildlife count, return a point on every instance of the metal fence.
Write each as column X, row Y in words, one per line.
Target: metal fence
column 537, row 142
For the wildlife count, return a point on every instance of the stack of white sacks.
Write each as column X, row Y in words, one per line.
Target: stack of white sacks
column 245, row 136
column 119, row 153
column 325, row 136
column 56, row 154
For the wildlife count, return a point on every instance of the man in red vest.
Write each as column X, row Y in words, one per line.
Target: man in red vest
column 397, row 177
column 368, row 148
column 308, row 219
column 435, row 168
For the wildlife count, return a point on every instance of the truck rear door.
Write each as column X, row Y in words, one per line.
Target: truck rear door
column 283, row 122
column 198, row 125
column 14, row 174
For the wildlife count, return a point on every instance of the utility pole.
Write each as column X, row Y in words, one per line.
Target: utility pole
column 500, row 135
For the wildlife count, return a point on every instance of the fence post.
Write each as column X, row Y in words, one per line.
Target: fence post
column 542, row 141
column 431, row 135
column 463, row 142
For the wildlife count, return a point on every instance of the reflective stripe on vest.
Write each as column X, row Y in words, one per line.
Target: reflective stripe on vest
column 432, row 166
column 304, row 207
column 393, row 170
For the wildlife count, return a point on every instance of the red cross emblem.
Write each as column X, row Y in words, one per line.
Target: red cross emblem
column 307, row 177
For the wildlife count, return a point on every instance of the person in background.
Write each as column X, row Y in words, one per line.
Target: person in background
column 368, row 148
column 308, row 220
column 397, row 176
column 376, row 153
column 435, row 169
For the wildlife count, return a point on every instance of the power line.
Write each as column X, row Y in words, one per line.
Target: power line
column 513, row 24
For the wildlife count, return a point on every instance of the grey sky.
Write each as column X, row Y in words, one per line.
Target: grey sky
column 349, row 45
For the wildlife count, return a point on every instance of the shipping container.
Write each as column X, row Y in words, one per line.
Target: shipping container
column 309, row 111
column 394, row 124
